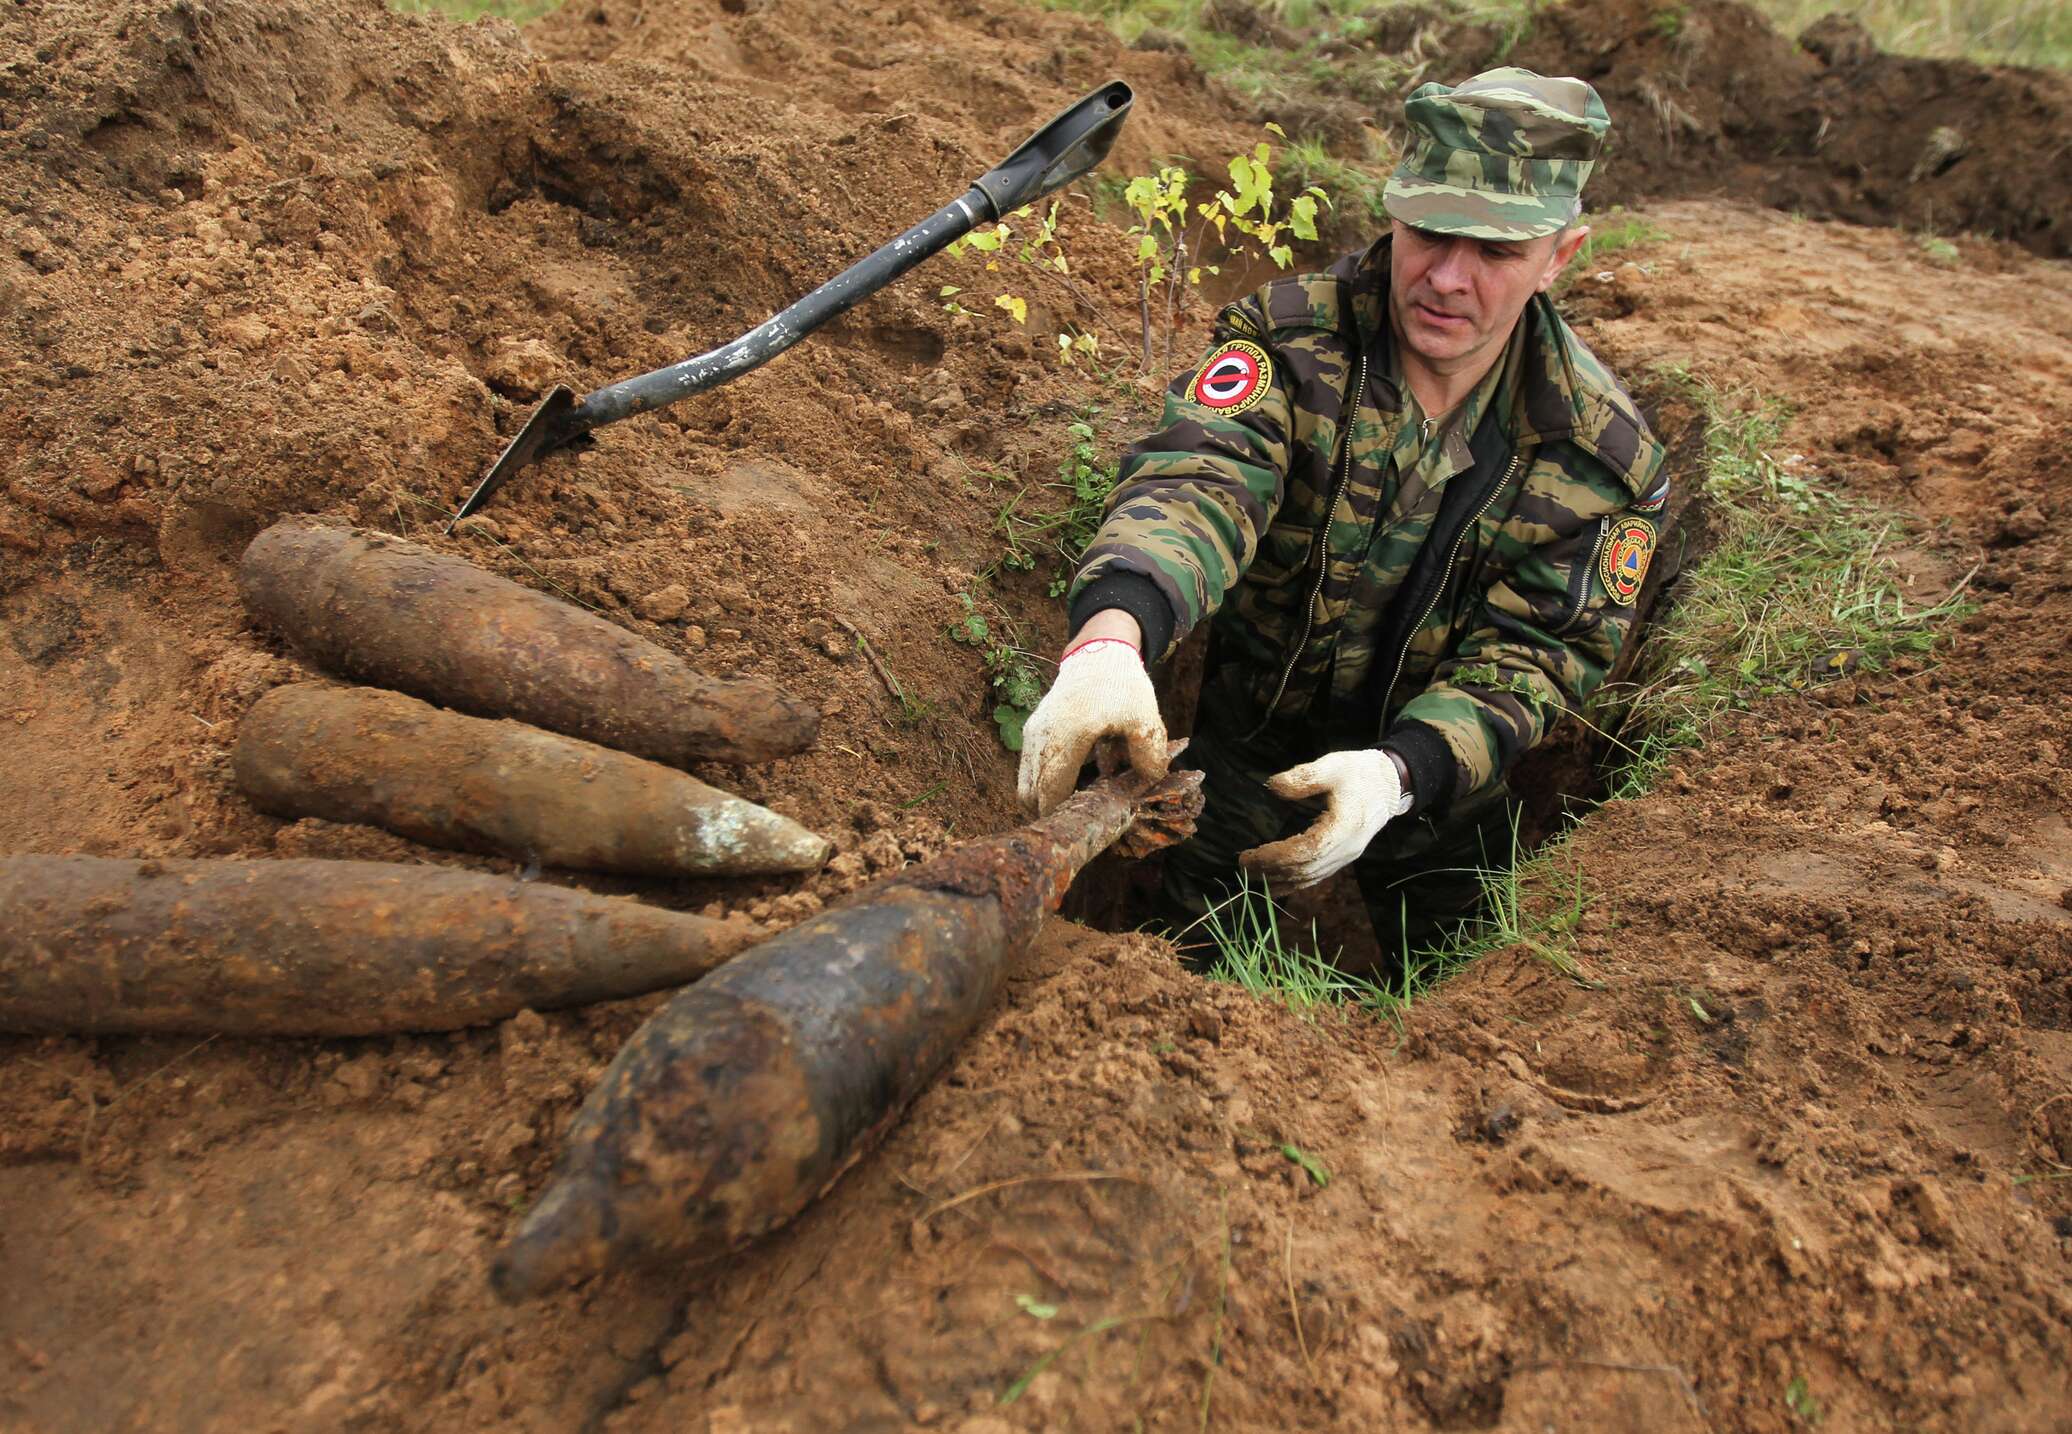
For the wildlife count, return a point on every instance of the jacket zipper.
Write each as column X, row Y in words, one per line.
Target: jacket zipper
column 1323, row 550
column 1580, row 593
column 1410, row 634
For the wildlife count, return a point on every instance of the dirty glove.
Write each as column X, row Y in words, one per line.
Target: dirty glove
column 1102, row 690
column 1364, row 793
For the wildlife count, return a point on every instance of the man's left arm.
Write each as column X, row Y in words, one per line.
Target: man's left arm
column 1548, row 633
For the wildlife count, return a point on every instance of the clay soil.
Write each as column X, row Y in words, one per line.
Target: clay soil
column 1793, row 1149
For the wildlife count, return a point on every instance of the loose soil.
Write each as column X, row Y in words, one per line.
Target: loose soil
column 1791, row 1149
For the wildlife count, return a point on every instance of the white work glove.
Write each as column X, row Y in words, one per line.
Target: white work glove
column 1363, row 792
column 1102, row 690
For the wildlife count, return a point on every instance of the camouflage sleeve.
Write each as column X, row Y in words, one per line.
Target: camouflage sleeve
column 1192, row 498
column 1549, row 631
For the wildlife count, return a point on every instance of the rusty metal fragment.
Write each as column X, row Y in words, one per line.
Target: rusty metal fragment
column 744, row 1098
column 361, row 754
column 382, row 610
column 93, row 946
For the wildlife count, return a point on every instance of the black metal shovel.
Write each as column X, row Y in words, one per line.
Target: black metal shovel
column 1055, row 155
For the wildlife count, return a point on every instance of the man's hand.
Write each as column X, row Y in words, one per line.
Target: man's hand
column 1102, row 690
column 1364, row 792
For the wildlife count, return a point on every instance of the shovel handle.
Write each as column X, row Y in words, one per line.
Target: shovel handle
column 1069, row 146
column 759, row 345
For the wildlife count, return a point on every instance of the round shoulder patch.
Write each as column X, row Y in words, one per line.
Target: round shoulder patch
column 1627, row 548
column 1233, row 377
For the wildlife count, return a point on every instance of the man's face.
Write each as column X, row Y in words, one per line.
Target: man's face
column 1452, row 299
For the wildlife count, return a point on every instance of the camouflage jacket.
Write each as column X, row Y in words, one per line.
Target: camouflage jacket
column 1451, row 624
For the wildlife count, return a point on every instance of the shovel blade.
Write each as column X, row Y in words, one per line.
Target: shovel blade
column 547, row 429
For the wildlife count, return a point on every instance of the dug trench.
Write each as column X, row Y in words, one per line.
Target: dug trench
column 1790, row 1150
column 1553, row 786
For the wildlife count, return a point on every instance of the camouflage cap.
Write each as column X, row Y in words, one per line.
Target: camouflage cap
column 1501, row 156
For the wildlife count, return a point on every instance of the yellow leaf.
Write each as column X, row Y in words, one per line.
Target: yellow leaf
column 1017, row 307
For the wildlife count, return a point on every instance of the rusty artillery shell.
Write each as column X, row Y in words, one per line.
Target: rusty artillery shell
column 389, row 612
column 736, row 1104
column 91, row 946
column 361, row 754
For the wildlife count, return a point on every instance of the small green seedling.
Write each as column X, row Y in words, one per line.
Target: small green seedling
column 1309, row 1163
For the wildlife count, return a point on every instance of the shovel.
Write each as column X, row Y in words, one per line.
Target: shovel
column 1067, row 147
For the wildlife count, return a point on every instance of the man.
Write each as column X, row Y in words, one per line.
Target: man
column 1417, row 509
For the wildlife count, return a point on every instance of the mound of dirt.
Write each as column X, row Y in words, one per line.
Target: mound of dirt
column 1787, row 1149
column 1707, row 98
column 319, row 257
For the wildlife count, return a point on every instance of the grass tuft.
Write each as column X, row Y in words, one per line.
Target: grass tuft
column 1355, row 189
column 1253, row 952
column 1798, row 587
column 1612, row 232
column 1527, row 902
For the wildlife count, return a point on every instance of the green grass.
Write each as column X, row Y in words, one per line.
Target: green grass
column 2003, row 32
column 1011, row 674
column 2022, row 32
column 1998, row 32
column 1254, row 952
column 1611, row 233
column 1355, row 189
column 1939, row 250
column 1798, row 586
column 1527, row 901
column 2018, row 32
column 518, row 12
column 1060, row 518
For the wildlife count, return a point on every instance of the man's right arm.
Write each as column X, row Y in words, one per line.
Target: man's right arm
column 1193, row 498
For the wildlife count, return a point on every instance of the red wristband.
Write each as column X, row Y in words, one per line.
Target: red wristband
column 1096, row 642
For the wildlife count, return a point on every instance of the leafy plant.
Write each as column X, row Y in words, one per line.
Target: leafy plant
column 1010, row 670
column 1071, row 510
column 1167, row 251
column 1170, row 230
column 1357, row 187
column 1032, row 250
